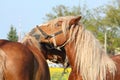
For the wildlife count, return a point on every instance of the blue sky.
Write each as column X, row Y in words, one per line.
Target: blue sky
column 26, row 14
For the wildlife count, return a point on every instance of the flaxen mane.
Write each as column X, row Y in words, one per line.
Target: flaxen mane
column 91, row 59
column 27, row 37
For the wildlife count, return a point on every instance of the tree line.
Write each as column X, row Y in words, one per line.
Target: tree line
column 103, row 21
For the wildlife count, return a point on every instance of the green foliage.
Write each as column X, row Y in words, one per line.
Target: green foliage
column 112, row 17
column 12, row 35
column 112, row 20
column 62, row 10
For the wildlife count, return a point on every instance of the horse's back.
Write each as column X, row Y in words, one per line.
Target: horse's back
column 19, row 61
column 116, row 59
column 3, row 41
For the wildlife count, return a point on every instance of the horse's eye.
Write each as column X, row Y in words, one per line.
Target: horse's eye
column 56, row 25
column 59, row 23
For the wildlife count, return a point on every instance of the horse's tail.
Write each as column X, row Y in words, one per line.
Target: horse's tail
column 2, row 63
column 43, row 69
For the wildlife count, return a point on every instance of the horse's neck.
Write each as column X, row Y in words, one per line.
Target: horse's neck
column 70, row 52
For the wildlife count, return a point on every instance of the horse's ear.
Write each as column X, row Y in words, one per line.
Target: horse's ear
column 75, row 20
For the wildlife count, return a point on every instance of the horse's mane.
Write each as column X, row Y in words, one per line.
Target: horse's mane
column 91, row 60
column 34, row 41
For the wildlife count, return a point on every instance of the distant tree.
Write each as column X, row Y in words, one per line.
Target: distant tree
column 62, row 10
column 12, row 35
column 112, row 20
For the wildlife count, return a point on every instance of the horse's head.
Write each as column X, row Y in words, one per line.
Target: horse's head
column 37, row 33
column 57, row 31
column 50, row 53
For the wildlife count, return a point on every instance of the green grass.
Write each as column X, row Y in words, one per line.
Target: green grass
column 56, row 74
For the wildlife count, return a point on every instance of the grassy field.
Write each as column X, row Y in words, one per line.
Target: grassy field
column 56, row 73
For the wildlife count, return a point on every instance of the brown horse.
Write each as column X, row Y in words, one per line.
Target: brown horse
column 86, row 56
column 20, row 62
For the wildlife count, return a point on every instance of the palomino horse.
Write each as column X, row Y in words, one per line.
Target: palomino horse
column 20, row 62
column 86, row 56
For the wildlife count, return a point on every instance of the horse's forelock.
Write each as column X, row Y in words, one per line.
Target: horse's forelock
column 65, row 22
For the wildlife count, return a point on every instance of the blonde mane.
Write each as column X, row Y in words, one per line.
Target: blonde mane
column 34, row 41
column 91, row 60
